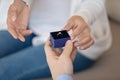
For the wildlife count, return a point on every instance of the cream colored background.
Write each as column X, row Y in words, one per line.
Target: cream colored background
column 4, row 4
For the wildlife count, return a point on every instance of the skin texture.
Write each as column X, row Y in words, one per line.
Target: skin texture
column 17, row 20
column 81, row 30
column 60, row 62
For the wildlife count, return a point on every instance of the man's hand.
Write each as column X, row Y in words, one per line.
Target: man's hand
column 60, row 62
column 17, row 20
column 80, row 30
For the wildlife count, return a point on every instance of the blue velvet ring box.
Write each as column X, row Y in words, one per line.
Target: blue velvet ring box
column 59, row 38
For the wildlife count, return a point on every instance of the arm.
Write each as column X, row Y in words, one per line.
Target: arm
column 89, row 10
column 84, row 13
column 60, row 62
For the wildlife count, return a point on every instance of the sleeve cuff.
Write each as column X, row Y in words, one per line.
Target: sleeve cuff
column 85, row 15
column 28, row 2
column 64, row 77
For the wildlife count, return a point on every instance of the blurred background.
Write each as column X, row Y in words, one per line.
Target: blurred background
column 108, row 66
column 4, row 5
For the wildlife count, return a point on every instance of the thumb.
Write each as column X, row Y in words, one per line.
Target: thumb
column 48, row 49
column 68, row 49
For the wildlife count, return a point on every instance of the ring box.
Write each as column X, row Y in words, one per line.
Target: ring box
column 59, row 38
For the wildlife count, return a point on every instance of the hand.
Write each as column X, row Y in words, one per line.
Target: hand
column 60, row 62
column 81, row 31
column 17, row 20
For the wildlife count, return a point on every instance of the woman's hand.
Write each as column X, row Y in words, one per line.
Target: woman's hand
column 17, row 20
column 81, row 31
column 60, row 62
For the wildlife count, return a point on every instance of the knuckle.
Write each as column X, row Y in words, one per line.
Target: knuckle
column 22, row 25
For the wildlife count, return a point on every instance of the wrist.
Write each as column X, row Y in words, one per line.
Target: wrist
column 20, row 3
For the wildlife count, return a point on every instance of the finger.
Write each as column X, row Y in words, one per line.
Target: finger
column 83, row 47
column 20, row 25
column 13, row 32
column 48, row 49
column 68, row 49
column 77, row 31
column 26, row 32
column 58, row 51
column 84, row 37
column 74, row 52
column 21, row 37
column 25, row 17
column 10, row 21
column 12, row 29
column 83, row 41
column 68, row 26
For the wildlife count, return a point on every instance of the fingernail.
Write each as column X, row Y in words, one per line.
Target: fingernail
column 68, row 42
column 15, row 37
column 23, row 40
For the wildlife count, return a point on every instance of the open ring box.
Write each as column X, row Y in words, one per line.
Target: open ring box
column 59, row 38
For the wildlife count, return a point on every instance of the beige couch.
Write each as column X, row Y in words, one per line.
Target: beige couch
column 107, row 67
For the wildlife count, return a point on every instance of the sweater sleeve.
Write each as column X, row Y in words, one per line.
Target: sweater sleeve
column 89, row 10
column 64, row 77
column 28, row 2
